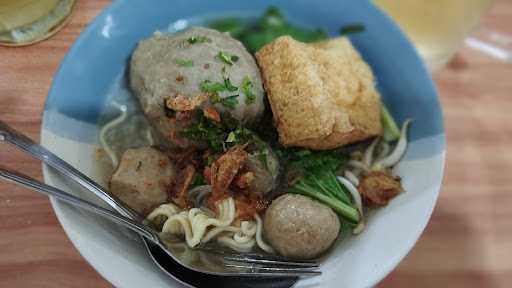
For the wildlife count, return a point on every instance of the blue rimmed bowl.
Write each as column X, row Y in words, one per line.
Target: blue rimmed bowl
column 93, row 73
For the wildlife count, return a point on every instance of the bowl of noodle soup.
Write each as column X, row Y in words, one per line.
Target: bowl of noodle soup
column 91, row 94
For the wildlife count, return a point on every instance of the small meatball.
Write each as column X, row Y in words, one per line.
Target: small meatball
column 183, row 71
column 265, row 168
column 300, row 228
column 142, row 179
column 378, row 188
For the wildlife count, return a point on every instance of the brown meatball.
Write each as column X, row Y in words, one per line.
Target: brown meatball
column 299, row 227
column 264, row 165
column 378, row 188
column 142, row 178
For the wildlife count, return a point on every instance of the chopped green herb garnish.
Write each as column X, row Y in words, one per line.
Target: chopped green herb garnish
column 231, row 137
column 215, row 98
column 207, row 131
column 230, row 87
column 208, row 86
column 227, row 58
column 247, row 89
column 198, row 39
column 230, row 101
column 214, row 88
column 184, row 62
column 352, row 28
column 216, row 134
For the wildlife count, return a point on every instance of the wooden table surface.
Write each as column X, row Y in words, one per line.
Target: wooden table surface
column 468, row 242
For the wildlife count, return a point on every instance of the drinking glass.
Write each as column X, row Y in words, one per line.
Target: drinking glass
column 439, row 27
column 24, row 22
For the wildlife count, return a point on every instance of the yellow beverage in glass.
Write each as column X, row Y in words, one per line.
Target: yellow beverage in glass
column 23, row 22
column 436, row 27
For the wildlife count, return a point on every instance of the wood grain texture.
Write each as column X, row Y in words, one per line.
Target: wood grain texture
column 468, row 242
column 34, row 250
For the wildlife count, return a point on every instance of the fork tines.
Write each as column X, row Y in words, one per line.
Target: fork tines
column 273, row 270
column 264, row 264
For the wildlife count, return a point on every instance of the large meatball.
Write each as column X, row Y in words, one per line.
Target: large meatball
column 174, row 74
column 299, row 227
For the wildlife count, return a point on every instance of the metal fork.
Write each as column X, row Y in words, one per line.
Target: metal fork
column 205, row 259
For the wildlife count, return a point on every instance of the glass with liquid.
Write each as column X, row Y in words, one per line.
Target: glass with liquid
column 24, row 22
column 436, row 27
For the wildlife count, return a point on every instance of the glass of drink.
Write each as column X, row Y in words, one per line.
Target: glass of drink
column 439, row 27
column 24, row 22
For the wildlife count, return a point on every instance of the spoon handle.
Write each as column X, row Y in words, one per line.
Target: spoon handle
column 24, row 143
column 78, row 202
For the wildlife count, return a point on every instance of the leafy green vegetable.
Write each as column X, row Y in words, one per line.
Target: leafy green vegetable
column 391, row 130
column 352, row 28
column 319, row 180
column 247, row 88
column 184, row 62
column 227, row 58
column 198, row 39
column 313, row 160
column 234, row 26
column 269, row 26
column 311, row 190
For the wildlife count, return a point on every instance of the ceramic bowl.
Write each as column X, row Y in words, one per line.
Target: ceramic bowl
column 93, row 72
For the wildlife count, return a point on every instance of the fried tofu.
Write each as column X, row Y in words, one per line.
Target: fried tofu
column 322, row 95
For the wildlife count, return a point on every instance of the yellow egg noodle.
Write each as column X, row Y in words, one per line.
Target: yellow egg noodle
column 199, row 226
column 115, row 123
column 112, row 124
